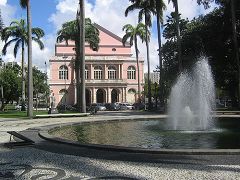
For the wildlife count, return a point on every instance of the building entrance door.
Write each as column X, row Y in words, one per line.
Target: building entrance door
column 100, row 96
column 114, row 96
column 88, row 97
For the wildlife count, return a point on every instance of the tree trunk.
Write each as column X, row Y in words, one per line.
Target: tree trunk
column 23, row 79
column 30, row 73
column 159, row 54
column 235, row 43
column 82, row 55
column 178, row 37
column 77, row 71
column 148, row 63
column 138, row 72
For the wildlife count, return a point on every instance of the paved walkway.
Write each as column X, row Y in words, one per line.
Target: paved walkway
column 43, row 160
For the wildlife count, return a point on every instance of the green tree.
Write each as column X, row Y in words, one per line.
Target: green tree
column 40, row 84
column 70, row 31
column 26, row 5
column 133, row 33
column 11, row 82
column 177, row 17
column 146, row 10
column 17, row 33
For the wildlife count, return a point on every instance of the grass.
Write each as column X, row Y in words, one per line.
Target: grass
column 19, row 114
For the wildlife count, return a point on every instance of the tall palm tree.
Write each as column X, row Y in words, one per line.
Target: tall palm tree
column 177, row 16
column 160, row 6
column 132, row 33
column 81, row 29
column 146, row 9
column 25, row 4
column 17, row 33
column 70, row 31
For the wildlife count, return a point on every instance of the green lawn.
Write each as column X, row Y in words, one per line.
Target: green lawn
column 18, row 114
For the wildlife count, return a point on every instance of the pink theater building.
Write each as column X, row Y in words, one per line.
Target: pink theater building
column 110, row 72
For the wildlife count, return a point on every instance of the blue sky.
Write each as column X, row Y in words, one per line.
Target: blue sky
column 50, row 14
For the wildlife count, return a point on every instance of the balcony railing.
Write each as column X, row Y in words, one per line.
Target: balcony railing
column 107, row 81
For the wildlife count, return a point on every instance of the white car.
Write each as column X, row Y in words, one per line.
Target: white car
column 129, row 106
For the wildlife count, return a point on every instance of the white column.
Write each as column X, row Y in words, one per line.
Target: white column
column 94, row 95
column 109, row 95
column 105, row 72
column 122, row 99
column 75, row 94
column 91, row 72
column 125, row 94
column 119, row 71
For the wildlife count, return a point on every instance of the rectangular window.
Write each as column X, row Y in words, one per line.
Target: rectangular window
column 97, row 74
column 112, row 75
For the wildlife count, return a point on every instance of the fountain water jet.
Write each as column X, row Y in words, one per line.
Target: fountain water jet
column 192, row 99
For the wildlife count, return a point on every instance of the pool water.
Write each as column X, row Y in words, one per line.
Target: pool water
column 154, row 134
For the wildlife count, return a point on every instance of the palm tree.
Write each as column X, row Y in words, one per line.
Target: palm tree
column 160, row 6
column 177, row 16
column 146, row 9
column 17, row 33
column 132, row 33
column 70, row 31
column 25, row 4
column 81, row 30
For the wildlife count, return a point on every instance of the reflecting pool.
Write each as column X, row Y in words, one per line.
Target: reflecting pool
column 154, row 134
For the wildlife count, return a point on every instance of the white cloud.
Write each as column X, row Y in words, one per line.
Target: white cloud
column 110, row 15
column 39, row 56
column 3, row 2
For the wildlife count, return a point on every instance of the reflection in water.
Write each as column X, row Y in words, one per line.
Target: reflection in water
column 154, row 134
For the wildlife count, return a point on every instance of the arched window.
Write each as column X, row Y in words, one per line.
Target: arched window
column 98, row 72
column 112, row 72
column 132, row 91
column 63, row 72
column 131, row 72
column 63, row 91
column 86, row 72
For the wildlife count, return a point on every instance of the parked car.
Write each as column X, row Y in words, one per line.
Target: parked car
column 139, row 106
column 127, row 105
column 114, row 106
column 108, row 106
column 99, row 106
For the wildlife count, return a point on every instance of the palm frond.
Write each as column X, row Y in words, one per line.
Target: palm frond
column 39, row 42
column 38, row 32
column 6, row 45
column 23, row 3
column 16, row 47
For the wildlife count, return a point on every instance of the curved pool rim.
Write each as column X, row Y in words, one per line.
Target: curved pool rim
column 44, row 134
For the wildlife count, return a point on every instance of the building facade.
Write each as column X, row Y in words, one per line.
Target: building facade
column 110, row 72
column 154, row 77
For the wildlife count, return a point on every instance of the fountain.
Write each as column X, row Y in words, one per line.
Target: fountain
column 190, row 124
column 192, row 99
